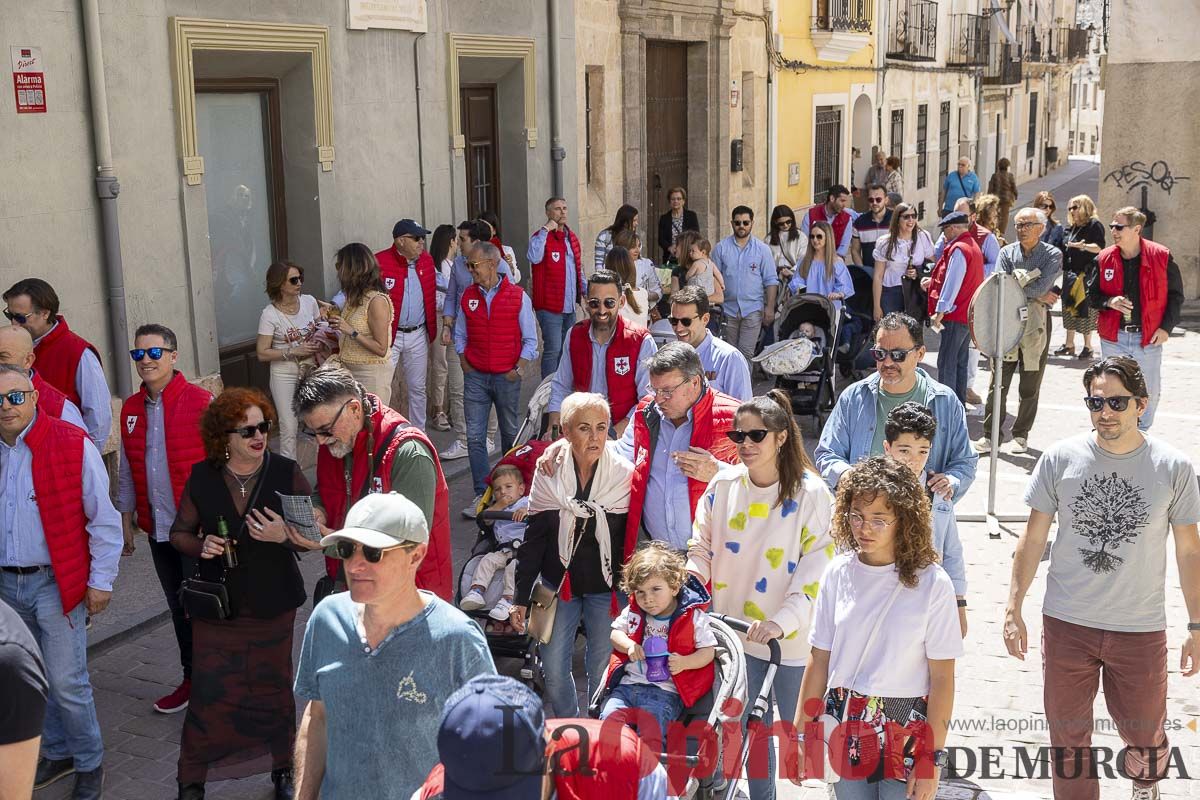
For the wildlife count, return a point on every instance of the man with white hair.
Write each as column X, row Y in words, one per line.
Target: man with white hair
column 1037, row 266
column 963, row 182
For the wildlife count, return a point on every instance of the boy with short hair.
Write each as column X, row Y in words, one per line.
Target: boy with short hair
column 508, row 495
column 908, row 437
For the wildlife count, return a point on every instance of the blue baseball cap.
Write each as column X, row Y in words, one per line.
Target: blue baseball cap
column 408, row 227
column 492, row 741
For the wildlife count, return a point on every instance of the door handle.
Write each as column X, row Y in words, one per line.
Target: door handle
column 657, row 181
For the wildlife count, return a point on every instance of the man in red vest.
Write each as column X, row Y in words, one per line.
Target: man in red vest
column 558, row 282
column 367, row 448
column 66, row 361
column 1139, row 291
column 16, row 349
column 160, row 442
column 60, row 544
column 955, row 277
column 414, row 323
column 833, row 211
column 495, row 335
column 605, row 354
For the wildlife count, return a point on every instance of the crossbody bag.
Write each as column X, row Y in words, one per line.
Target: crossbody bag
column 543, row 602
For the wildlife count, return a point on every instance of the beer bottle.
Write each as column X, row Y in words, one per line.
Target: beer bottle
column 229, row 557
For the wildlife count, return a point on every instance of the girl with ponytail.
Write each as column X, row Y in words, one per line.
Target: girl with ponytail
column 636, row 309
column 762, row 541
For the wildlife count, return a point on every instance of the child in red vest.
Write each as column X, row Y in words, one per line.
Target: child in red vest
column 663, row 646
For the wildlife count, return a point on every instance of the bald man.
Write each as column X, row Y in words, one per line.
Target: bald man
column 16, row 350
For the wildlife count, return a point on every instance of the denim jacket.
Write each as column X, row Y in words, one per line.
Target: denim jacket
column 947, row 543
column 850, row 430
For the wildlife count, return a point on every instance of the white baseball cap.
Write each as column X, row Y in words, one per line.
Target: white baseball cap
column 382, row 520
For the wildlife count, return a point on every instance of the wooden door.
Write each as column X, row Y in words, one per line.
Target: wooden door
column 666, row 132
column 482, row 153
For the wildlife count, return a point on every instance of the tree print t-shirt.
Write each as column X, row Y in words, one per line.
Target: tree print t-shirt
column 1108, row 563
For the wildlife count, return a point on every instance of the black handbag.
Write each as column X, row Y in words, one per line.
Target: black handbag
column 205, row 599
column 916, row 301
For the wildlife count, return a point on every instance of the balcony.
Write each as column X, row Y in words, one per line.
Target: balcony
column 1075, row 43
column 1038, row 45
column 1004, row 65
column 841, row 28
column 913, row 32
column 968, row 41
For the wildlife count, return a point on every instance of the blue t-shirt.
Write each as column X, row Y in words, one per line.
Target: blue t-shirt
column 383, row 707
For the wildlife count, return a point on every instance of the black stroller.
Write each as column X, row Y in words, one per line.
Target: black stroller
column 810, row 388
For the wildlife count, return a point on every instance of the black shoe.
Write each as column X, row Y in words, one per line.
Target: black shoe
column 282, row 778
column 1086, row 354
column 191, row 791
column 89, row 785
column 48, row 771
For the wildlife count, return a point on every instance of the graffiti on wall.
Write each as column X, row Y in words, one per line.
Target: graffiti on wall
column 1137, row 174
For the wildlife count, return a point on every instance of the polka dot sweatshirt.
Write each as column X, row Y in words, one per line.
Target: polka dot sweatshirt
column 764, row 561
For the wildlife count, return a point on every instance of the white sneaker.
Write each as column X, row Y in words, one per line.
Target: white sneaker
column 501, row 611
column 1020, row 444
column 1145, row 792
column 492, row 446
column 456, row 450
column 472, row 511
column 473, row 601
column 982, row 445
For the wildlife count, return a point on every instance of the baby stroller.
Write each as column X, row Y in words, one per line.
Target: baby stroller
column 715, row 710
column 811, row 387
column 663, row 333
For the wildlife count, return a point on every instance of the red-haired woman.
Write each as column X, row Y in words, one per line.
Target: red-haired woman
column 241, row 718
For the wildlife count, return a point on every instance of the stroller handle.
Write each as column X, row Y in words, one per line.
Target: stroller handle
column 496, row 516
column 742, row 626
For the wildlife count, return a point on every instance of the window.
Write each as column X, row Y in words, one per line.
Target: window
column 827, row 150
column 1093, row 144
column 1084, row 94
column 1031, row 140
column 593, row 105
column 897, row 140
column 1095, row 95
column 943, row 141
column 922, row 145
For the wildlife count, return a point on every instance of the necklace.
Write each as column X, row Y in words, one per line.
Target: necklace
column 242, row 483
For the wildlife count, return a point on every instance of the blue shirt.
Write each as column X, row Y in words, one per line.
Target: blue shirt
column 95, row 401
column 725, row 367
column 159, row 491
column 22, row 539
column 990, row 249
column 667, row 512
column 385, row 700
column 747, row 271
column 526, row 319
column 412, row 307
column 564, row 378
column 956, row 270
column 460, row 278
column 817, row 283
column 537, row 251
column 954, row 189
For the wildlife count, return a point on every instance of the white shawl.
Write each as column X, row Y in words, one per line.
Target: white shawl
column 609, row 495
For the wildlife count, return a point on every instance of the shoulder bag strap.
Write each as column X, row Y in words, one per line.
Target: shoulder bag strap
column 961, row 185
column 887, row 606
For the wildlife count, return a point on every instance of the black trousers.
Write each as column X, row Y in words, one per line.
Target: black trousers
column 172, row 567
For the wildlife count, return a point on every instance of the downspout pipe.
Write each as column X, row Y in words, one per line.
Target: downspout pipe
column 107, row 189
column 420, row 139
column 558, row 153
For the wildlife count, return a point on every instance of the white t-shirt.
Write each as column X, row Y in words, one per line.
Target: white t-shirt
column 921, row 624
column 627, row 312
column 285, row 329
column 627, row 622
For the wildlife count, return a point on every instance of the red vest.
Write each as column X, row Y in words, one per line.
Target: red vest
column 550, row 274
column 493, row 336
column 620, row 363
column 839, row 223
column 1152, row 281
column 336, row 495
column 970, row 282
column 50, row 400
column 393, row 268
column 979, row 233
column 183, row 405
column 57, row 449
column 58, row 354
column 712, row 416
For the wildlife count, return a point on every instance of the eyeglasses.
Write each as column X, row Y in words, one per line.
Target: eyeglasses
column 155, row 353
column 744, row 224
column 248, row 431
column 20, row 319
column 817, row 237
column 1045, row 207
column 296, row 280
column 1118, row 403
column 326, row 431
column 1023, row 225
column 16, row 397
column 609, row 302
column 684, row 321
column 877, row 525
column 1072, row 208
column 756, row 436
column 874, row 200
column 345, row 550
column 783, row 223
column 908, row 216
column 1114, row 226
column 880, row 354
column 667, row 394
column 476, row 264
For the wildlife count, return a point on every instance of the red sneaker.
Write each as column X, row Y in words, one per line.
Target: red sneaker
column 177, row 700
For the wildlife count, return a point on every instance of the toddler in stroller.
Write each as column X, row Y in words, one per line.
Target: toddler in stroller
column 508, row 497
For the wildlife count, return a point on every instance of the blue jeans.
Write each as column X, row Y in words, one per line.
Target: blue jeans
column 1148, row 358
column 664, row 706
column 596, row 613
column 891, row 299
column 480, row 392
column 785, row 692
column 889, row 789
column 71, row 729
column 555, row 328
column 953, row 357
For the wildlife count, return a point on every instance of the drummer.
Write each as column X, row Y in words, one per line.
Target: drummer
column 725, row 367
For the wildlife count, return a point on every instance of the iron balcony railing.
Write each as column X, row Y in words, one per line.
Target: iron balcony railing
column 968, row 41
column 852, row 16
column 913, row 32
column 1076, row 43
column 1004, row 65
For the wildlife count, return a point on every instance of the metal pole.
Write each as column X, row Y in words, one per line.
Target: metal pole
column 558, row 153
column 993, row 524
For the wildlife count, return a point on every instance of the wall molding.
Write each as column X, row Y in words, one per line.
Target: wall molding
column 463, row 45
column 190, row 34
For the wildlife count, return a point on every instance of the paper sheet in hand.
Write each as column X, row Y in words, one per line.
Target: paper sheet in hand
column 298, row 512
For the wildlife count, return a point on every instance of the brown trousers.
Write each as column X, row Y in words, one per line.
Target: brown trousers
column 1133, row 667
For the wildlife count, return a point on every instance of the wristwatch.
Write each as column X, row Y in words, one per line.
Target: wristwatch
column 941, row 758
column 1194, row 626
column 962, row 602
column 353, row 334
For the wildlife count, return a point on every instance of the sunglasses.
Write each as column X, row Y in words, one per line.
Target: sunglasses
column 608, row 302
column 756, row 436
column 345, row 550
column 20, row 319
column 1119, row 403
column 783, row 223
column 296, row 280
column 908, row 216
column 248, row 431
column 875, row 200
column 1072, row 208
column 326, row 431
column 737, row 224
column 16, row 397
column 155, row 353
column 880, row 354
column 817, row 237
column 1045, row 207
column 684, row 321
column 1115, row 226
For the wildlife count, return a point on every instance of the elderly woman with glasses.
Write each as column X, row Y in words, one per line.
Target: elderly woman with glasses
column 241, row 718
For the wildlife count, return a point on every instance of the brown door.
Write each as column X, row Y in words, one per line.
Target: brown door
column 666, row 130
column 483, row 144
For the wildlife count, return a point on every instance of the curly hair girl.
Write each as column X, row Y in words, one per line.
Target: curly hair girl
column 879, row 476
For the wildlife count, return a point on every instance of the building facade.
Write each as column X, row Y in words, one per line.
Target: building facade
column 1087, row 93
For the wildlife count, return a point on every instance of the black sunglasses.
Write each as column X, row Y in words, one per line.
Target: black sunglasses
column 345, row 550
column 1118, row 403
column 782, row 222
column 16, row 397
column 326, row 432
column 745, row 224
column 684, row 321
column 908, row 216
column 873, row 200
column 880, row 354
column 609, row 303
column 1116, row 226
column 756, row 436
column 248, row 431
column 155, row 353
column 20, row 319
column 296, row 280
